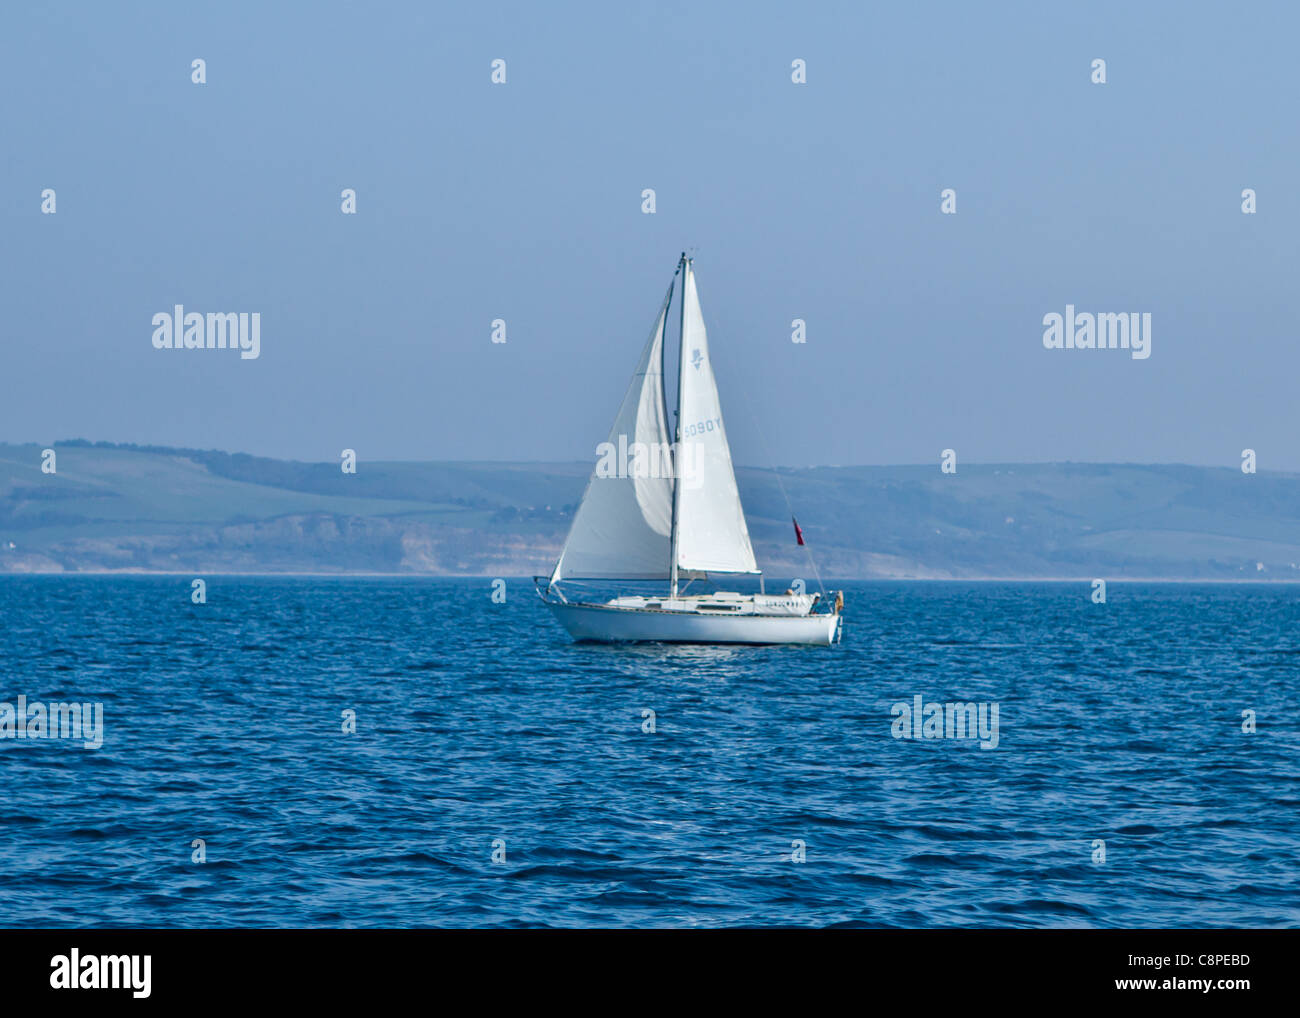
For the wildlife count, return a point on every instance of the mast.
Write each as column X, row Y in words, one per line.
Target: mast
column 683, row 267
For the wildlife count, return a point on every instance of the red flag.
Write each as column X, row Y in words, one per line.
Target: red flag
column 797, row 532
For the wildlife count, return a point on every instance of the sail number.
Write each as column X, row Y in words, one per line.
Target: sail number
column 702, row 427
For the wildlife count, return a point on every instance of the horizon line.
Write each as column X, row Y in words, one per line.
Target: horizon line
column 83, row 443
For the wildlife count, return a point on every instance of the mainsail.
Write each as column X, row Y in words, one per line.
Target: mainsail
column 622, row 529
column 711, row 531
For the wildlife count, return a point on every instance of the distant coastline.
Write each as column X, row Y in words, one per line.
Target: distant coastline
column 122, row 510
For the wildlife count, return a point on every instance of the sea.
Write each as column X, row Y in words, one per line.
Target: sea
column 415, row 752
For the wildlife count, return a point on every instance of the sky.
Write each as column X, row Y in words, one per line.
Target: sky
column 522, row 201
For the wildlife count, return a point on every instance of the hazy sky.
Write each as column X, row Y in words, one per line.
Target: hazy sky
column 522, row 201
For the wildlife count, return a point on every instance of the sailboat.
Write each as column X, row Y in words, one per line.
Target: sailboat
column 669, row 510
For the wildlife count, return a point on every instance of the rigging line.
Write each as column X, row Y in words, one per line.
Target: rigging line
column 776, row 470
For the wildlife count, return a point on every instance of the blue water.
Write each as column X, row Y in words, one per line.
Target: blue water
column 479, row 721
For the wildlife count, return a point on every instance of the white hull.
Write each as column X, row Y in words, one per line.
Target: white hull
column 625, row 625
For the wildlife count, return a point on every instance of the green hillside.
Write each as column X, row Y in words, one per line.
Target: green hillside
column 112, row 507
